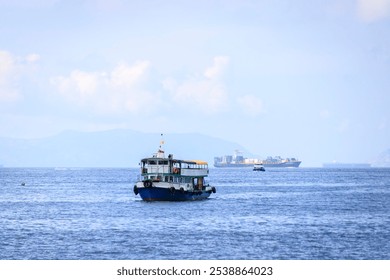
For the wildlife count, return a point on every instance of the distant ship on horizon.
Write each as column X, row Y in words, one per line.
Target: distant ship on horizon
column 346, row 165
column 237, row 160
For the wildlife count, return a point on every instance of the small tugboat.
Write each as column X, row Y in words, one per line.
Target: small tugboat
column 258, row 167
column 168, row 179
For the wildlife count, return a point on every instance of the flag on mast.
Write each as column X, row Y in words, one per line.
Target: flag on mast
column 162, row 141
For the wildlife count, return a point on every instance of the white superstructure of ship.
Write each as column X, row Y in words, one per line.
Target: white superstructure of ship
column 237, row 160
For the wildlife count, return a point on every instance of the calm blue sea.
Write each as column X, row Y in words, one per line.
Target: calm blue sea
column 303, row 213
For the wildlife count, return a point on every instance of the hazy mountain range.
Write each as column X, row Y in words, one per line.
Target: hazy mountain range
column 119, row 148
column 382, row 160
column 113, row 148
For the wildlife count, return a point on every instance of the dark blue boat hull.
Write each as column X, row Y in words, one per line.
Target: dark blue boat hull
column 164, row 194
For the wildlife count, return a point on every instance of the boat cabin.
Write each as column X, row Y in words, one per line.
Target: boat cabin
column 174, row 171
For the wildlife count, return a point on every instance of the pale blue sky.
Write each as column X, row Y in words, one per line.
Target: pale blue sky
column 306, row 79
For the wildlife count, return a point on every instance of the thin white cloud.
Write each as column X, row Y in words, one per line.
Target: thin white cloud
column 108, row 5
column 325, row 114
column 32, row 58
column 344, row 125
column 124, row 76
column 28, row 4
column 116, row 91
column 11, row 69
column 205, row 93
column 7, row 75
column 383, row 125
column 79, row 86
column 372, row 10
column 251, row 105
column 218, row 68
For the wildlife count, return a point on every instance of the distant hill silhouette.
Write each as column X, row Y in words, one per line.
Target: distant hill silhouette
column 113, row 148
column 382, row 160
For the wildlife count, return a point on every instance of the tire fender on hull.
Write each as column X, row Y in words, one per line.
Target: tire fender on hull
column 148, row 184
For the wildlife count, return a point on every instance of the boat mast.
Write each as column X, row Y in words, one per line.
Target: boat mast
column 160, row 152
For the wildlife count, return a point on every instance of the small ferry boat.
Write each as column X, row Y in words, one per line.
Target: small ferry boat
column 168, row 179
column 258, row 167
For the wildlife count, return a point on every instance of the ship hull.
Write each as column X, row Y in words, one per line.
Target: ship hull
column 283, row 164
column 163, row 194
column 159, row 191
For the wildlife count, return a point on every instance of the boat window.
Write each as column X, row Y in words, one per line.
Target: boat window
column 194, row 166
column 152, row 162
column 163, row 162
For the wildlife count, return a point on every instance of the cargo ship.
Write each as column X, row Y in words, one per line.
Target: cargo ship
column 237, row 160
